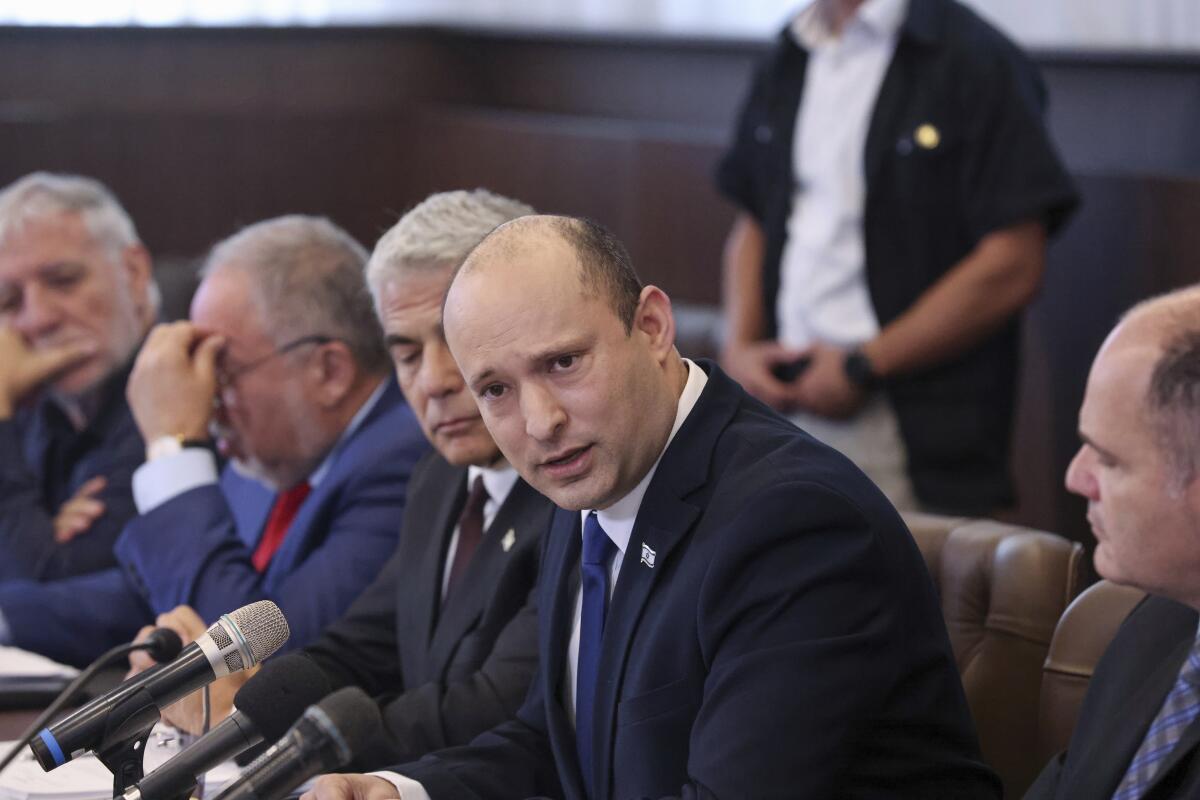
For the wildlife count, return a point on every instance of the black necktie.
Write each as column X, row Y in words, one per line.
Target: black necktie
column 470, row 532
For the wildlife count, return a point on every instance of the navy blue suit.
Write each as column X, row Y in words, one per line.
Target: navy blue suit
column 195, row 549
column 43, row 462
column 786, row 642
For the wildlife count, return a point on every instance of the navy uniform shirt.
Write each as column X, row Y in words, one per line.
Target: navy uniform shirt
column 956, row 149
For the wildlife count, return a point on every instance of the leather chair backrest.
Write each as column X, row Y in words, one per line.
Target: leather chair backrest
column 1083, row 634
column 1002, row 589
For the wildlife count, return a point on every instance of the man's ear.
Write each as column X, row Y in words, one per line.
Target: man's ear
column 139, row 273
column 654, row 321
column 335, row 372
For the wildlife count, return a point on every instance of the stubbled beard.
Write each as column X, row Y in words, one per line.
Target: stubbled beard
column 255, row 471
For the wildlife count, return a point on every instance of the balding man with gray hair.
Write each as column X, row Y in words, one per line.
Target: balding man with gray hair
column 281, row 369
column 76, row 299
column 1138, row 734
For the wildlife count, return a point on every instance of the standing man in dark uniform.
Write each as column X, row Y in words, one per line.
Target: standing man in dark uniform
column 895, row 187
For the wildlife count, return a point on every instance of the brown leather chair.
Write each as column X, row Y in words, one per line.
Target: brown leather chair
column 1082, row 636
column 1003, row 589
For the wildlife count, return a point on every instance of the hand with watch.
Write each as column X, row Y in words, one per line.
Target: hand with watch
column 836, row 382
column 172, row 388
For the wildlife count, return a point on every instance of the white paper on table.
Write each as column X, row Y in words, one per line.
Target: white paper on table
column 24, row 665
column 85, row 778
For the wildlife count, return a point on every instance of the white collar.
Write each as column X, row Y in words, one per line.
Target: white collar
column 617, row 520
column 882, row 18
column 498, row 481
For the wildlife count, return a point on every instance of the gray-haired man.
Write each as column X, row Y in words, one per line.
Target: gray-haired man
column 76, row 300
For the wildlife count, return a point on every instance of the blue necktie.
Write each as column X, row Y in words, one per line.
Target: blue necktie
column 598, row 549
column 1178, row 712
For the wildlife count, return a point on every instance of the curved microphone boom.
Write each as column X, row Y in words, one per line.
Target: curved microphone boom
column 325, row 738
column 265, row 708
column 235, row 642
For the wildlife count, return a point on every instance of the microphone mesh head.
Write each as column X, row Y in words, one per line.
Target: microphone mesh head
column 263, row 627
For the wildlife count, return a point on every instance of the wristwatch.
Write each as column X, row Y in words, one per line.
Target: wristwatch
column 859, row 370
column 169, row 445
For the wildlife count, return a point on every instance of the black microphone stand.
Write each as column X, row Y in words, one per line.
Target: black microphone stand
column 129, row 724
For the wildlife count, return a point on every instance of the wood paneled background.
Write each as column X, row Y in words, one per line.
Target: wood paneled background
column 202, row 130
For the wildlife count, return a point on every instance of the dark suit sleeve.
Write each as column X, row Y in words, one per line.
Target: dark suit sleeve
column 27, row 546
column 76, row 619
column 187, row 552
column 437, row 714
column 512, row 760
column 360, row 648
column 1046, row 785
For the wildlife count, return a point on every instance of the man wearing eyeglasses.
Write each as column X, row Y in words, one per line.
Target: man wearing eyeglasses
column 282, row 370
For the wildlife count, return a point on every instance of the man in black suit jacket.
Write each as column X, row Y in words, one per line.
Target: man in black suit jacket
column 446, row 642
column 1138, row 734
column 772, row 631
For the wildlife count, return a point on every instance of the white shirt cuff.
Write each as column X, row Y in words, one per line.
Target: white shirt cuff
column 162, row 479
column 407, row 787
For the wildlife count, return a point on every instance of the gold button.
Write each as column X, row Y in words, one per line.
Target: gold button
column 927, row 136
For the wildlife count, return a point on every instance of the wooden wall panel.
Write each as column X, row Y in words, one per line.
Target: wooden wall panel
column 203, row 130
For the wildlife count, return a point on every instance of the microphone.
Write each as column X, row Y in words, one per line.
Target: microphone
column 264, row 709
column 162, row 644
column 235, row 642
column 326, row 737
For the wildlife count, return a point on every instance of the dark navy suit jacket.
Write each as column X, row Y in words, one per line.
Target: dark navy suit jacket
column 43, row 462
column 786, row 642
column 444, row 672
column 195, row 549
column 1124, row 696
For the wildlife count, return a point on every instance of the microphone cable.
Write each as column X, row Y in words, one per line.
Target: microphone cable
column 162, row 644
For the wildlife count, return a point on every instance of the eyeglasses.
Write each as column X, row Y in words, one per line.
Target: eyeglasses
column 226, row 378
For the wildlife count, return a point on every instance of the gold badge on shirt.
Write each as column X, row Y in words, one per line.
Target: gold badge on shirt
column 927, row 136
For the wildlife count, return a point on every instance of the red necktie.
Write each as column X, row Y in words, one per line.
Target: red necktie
column 470, row 532
column 282, row 513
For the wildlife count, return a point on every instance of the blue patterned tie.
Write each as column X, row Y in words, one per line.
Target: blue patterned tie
column 1178, row 712
column 598, row 549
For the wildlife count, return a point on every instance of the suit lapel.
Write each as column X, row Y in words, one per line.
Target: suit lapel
column 473, row 592
column 557, row 616
column 312, row 517
column 663, row 522
column 442, row 520
column 1099, row 771
column 669, row 521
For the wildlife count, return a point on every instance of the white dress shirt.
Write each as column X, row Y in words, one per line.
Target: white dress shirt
column 823, row 293
column 617, row 521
